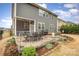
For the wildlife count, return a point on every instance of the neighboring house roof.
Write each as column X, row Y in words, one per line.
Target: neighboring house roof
column 68, row 22
column 1, row 28
column 38, row 6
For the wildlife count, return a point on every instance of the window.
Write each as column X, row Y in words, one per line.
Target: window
column 41, row 26
column 46, row 14
column 43, row 13
column 26, row 25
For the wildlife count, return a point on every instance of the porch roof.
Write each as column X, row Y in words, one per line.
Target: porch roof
column 24, row 18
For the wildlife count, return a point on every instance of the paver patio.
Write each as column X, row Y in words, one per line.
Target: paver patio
column 45, row 40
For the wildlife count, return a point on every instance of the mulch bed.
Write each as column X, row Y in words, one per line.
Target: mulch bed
column 11, row 50
column 43, row 50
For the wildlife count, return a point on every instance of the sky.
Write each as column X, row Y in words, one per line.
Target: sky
column 67, row 12
column 5, row 15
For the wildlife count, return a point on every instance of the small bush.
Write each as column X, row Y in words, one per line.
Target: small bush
column 1, row 32
column 29, row 51
column 11, row 42
column 49, row 46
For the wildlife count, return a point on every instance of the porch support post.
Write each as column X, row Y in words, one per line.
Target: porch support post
column 34, row 25
column 15, row 26
column 15, row 17
column 29, row 27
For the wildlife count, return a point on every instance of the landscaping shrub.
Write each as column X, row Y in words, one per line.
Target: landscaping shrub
column 1, row 32
column 11, row 42
column 70, row 29
column 29, row 51
column 49, row 46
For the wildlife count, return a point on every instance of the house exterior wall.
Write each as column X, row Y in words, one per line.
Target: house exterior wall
column 60, row 23
column 31, row 12
column 55, row 24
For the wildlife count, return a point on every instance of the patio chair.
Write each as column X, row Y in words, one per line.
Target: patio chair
column 45, row 32
column 31, row 37
column 35, row 36
column 40, row 34
column 27, row 37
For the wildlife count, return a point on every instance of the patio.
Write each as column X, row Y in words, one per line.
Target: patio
column 45, row 39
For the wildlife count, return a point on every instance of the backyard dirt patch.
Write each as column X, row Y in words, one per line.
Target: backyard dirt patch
column 2, row 45
column 69, row 49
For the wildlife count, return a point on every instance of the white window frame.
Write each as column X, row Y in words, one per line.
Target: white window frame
column 44, row 26
column 38, row 25
column 41, row 12
column 41, row 27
